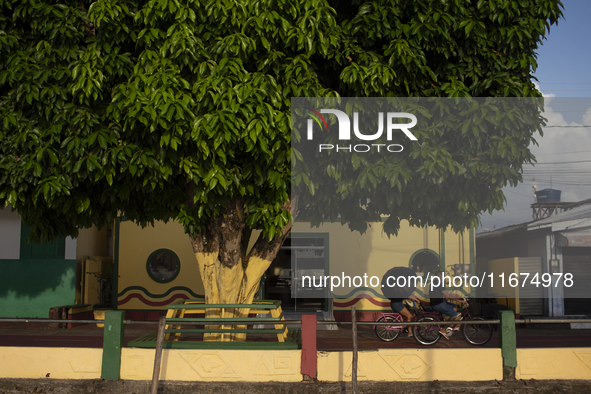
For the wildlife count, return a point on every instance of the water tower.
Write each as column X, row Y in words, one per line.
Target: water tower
column 547, row 203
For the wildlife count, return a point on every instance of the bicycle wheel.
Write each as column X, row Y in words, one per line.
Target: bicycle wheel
column 385, row 332
column 427, row 335
column 477, row 334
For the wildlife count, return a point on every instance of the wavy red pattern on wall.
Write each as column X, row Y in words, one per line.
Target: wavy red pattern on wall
column 356, row 300
column 143, row 299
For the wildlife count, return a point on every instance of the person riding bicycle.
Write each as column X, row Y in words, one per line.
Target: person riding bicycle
column 438, row 296
column 397, row 305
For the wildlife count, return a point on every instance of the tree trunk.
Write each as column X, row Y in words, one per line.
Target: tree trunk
column 230, row 273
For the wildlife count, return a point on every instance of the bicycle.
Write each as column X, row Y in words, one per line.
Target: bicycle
column 475, row 334
column 388, row 333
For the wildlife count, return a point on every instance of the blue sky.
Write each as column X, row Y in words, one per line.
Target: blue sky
column 564, row 153
column 565, row 56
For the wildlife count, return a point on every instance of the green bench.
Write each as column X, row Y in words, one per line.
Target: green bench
column 287, row 338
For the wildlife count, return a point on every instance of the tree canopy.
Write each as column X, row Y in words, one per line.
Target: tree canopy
column 173, row 109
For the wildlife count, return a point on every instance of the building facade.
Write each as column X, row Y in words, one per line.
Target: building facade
column 156, row 265
column 37, row 277
column 562, row 245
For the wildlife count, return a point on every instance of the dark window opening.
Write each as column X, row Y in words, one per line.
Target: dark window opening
column 425, row 261
column 163, row 265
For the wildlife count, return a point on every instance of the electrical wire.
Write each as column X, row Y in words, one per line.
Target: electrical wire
column 563, row 153
column 563, row 83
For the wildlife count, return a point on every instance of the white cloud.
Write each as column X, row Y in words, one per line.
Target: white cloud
column 543, row 94
column 561, row 155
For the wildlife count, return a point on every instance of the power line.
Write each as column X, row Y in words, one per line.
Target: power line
column 565, row 162
column 563, row 153
column 564, row 83
column 558, row 177
column 519, row 194
column 562, row 170
column 560, row 111
column 565, row 100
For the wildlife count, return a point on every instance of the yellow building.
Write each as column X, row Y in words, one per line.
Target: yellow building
column 373, row 253
column 156, row 265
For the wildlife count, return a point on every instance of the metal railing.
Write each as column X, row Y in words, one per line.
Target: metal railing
column 200, row 321
column 68, row 321
column 337, row 323
column 411, row 323
column 550, row 321
column 163, row 321
column 354, row 323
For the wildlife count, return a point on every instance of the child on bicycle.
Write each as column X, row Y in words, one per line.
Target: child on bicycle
column 397, row 305
column 438, row 296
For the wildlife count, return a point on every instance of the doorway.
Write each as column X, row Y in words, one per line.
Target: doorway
column 300, row 255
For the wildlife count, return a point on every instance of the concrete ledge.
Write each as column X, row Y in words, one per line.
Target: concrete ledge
column 213, row 365
column 413, row 365
column 553, row 363
column 56, row 386
column 383, row 365
column 43, row 362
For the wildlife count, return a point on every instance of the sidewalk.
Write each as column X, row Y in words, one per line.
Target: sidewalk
column 57, row 386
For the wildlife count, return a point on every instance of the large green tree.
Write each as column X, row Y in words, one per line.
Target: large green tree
column 180, row 109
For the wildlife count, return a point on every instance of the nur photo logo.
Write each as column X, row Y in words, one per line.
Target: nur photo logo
column 392, row 122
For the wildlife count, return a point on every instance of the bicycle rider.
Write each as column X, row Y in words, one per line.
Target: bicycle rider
column 397, row 305
column 438, row 301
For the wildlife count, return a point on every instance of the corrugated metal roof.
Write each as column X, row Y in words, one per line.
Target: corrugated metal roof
column 572, row 218
column 501, row 231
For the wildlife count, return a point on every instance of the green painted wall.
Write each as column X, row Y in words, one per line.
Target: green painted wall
column 28, row 288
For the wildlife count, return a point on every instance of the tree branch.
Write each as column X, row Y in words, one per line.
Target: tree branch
column 267, row 250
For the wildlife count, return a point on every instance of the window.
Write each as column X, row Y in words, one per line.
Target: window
column 163, row 265
column 45, row 250
column 424, row 260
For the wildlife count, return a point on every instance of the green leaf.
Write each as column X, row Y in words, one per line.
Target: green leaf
column 355, row 161
column 52, row 156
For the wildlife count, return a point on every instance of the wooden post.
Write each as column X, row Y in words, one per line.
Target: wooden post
column 158, row 356
column 354, row 363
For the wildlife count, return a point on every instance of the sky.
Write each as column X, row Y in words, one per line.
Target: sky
column 564, row 152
